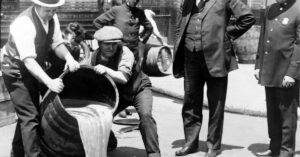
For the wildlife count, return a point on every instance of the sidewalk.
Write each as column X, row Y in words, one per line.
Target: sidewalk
column 244, row 95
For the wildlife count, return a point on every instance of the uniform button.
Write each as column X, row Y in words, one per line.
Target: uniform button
column 271, row 29
column 276, row 19
column 280, row 9
column 268, row 41
column 266, row 52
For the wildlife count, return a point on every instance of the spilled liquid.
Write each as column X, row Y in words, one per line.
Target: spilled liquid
column 94, row 121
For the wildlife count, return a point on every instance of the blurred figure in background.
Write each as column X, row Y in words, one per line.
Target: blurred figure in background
column 149, row 15
column 74, row 36
column 128, row 18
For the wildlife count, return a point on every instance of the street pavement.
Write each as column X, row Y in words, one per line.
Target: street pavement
column 243, row 134
column 244, row 94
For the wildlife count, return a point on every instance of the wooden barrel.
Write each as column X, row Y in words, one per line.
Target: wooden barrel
column 246, row 46
column 59, row 130
column 7, row 112
column 4, row 95
column 157, row 60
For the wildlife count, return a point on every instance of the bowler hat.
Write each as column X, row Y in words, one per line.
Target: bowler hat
column 49, row 3
column 109, row 34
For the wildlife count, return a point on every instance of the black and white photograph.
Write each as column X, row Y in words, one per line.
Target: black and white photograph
column 150, row 78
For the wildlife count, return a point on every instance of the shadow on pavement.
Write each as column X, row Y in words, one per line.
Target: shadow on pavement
column 258, row 147
column 127, row 152
column 202, row 146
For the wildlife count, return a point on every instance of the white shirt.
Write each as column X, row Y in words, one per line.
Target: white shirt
column 23, row 32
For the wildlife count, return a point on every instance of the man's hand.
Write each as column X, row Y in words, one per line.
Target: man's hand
column 72, row 64
column 256, row 74
column 55, row 85
column 288, row 82
column 100, row 69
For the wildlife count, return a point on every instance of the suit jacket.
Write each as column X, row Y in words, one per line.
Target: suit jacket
column 279, row 46
column 216, row 33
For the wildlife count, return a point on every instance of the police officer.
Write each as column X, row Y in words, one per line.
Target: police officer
column 277, row 68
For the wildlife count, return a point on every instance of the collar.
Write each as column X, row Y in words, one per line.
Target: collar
column 42, row 21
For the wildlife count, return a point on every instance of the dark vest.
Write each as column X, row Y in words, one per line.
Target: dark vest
column 137, row 81
column 193, row 32
column 42, row 43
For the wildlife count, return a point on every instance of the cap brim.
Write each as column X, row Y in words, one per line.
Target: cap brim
column 59, row 3
column 112, row 41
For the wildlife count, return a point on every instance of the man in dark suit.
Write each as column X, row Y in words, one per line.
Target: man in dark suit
column 203, row 54
column 277, row 68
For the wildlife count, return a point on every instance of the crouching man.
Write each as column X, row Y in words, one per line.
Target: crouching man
column 117, row 61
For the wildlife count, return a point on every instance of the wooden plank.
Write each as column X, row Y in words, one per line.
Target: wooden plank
column 7, row 113
column 4, row 96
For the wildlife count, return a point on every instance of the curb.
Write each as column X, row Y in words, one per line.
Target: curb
column 205, row 104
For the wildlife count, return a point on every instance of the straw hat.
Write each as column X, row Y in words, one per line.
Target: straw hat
column 49, row 3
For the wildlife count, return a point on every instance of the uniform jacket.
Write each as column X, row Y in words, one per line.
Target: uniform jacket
column 216, row 33
column 279, row 45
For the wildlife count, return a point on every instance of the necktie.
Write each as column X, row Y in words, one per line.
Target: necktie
column 201, row 4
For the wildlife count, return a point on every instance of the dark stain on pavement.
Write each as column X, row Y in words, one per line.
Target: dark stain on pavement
column 127, row 152
column 258, row 147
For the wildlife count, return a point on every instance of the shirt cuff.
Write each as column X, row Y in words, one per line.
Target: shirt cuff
column 54, row 45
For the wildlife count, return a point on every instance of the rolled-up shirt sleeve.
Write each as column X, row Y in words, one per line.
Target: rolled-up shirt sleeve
column 57, row 36
column 126, row 62
column 23, row 33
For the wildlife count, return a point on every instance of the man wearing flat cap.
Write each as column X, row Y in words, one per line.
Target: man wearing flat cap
column 128, row 18
column 117, row 61
column 32, row 34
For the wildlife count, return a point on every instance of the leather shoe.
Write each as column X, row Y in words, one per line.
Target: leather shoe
column 186, row 150
column 212, row 153
column 267, row 153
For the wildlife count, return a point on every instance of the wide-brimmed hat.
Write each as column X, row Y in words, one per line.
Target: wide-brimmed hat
column 49, row 3
column 109, row 34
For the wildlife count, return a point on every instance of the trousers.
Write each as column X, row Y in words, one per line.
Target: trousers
column 142, row 102
column 24, row 92
column 282, row 117
column 196, row 75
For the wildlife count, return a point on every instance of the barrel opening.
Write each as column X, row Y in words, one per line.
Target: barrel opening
column 60, row 135
column 85, row 84
column 157, row 60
